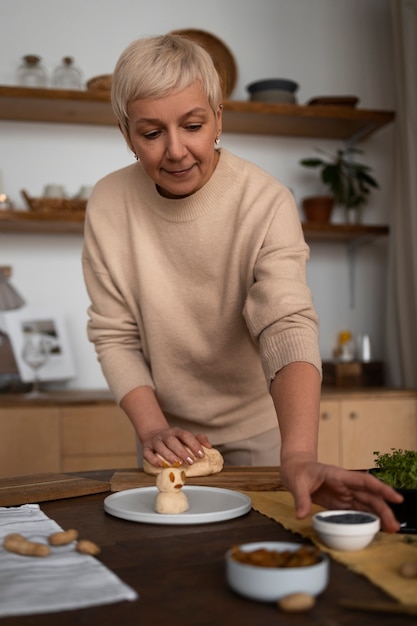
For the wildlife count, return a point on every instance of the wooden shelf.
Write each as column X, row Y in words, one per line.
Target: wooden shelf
column 288, row 120
column 33, row 222
column 73, row 223
column 314, row 231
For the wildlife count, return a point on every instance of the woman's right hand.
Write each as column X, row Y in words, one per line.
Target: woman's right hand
column 175, row 445
column 154, row 433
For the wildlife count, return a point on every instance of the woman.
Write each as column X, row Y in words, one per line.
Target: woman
column 194, row 261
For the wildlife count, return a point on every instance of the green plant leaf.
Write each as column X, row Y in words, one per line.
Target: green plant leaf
column 349, row 182
column 398, row 468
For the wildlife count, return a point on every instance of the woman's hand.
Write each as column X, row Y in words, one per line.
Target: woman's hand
column 174, row 445
column 154, row 433
column 333, row 487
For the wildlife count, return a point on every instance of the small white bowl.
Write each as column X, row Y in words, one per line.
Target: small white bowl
column 346, row 530
column 270, row 584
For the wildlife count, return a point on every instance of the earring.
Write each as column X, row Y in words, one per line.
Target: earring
column 217, row 140
column 136, row 157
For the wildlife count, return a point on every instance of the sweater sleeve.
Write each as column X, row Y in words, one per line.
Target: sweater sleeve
column 111, row 327
column 279, row 309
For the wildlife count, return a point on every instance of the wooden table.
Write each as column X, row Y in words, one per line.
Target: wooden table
column 179, row 574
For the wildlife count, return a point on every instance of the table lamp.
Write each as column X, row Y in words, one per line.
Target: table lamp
column 9, row 298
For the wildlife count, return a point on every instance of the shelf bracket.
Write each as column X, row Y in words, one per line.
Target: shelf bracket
column 351, row 252
column 357, row 137
column 352, row 247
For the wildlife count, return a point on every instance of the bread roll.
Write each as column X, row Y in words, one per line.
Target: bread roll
column 211, row 463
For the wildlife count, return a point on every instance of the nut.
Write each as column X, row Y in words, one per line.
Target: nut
column 296, row 602
column 84, row 546
column 63, row 538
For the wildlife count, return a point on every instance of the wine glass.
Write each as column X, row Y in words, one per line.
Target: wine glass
column 35, row 353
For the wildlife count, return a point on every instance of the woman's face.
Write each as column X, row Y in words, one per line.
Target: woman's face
column 174, row 139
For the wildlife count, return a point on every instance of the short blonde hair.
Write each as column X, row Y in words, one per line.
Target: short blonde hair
column 152, row 67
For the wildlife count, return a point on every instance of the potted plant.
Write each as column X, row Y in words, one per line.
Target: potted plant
column 398, row 468
column 348, row 182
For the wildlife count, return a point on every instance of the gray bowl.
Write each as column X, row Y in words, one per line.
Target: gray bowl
column 273, row 95
column 282, row 84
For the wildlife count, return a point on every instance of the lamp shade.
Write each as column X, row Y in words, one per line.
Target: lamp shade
column 9, row 298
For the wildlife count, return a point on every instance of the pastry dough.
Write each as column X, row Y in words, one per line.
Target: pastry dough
column 171, row 500
column 211, row 463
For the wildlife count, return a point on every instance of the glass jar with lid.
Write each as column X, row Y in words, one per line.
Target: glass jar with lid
column 67, row 75
column 31, row 72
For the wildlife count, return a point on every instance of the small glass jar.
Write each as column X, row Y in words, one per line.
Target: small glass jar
column 67, row 75
column 31, row 72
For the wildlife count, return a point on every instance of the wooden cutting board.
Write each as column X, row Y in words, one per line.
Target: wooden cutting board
column 42, row 487
column 240, row 478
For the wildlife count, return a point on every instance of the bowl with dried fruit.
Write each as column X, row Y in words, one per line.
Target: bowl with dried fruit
column 270, row 571
column 346, row 530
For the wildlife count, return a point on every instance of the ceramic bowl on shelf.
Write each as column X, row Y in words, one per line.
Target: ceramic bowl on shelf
column 100, row 83
column 272, row 583
column 346, row 530
column 273, row 90
column 273, row 95
column 282, row 84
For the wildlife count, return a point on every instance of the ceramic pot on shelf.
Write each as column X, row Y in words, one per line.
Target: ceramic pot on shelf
column 318, row 208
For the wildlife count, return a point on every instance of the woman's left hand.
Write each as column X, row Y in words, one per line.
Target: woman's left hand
column 333, row 487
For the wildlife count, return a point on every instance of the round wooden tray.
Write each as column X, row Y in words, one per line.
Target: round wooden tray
column 222, row 57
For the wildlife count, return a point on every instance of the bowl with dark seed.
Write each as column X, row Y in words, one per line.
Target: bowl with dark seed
column 346, row 530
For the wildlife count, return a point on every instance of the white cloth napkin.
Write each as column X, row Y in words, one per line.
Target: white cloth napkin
column 61, row 581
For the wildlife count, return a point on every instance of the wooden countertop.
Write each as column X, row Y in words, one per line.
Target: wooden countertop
column 100, row 396
column 57, row 398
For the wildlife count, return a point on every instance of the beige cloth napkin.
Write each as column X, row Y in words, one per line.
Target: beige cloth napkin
column 61, row 581
column 379, row 562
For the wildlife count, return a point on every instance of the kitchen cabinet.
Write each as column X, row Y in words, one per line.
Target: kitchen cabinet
column 64, row 432
column 329, row 432
column 85, row 430
column 355, row 424
column 96, row 437
column 29, row 440
column 344, row 123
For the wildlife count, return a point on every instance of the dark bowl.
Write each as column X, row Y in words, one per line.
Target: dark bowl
column 282, row 84
column 406, row 511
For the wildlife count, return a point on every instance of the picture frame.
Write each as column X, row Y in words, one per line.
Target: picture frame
column 50, row 324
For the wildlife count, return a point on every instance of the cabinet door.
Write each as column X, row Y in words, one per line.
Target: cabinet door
column 376, row 425
column 29, row 441
column 96, row 437
column 329, row 432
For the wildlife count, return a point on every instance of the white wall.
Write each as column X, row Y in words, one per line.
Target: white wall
column 330, row 47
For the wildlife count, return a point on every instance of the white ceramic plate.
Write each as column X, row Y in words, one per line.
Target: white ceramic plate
column 207, row 504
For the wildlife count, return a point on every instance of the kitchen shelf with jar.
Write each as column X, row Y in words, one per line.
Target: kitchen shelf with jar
column 345, row 123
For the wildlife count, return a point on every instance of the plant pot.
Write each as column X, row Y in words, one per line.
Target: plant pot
column 406, row 511
column 318, row 208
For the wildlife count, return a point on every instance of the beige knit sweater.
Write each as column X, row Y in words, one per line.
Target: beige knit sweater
column 203, row 298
